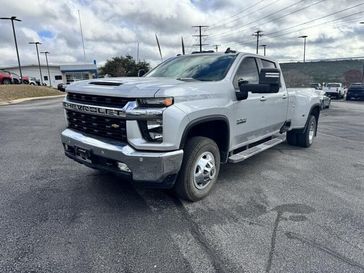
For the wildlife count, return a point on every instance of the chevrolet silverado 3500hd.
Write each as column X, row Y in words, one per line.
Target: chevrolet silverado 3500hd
column 174, row 126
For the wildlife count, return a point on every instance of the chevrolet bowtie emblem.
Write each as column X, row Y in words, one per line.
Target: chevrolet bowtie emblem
column 115, row 126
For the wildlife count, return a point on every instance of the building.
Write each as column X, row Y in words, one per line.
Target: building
column 58, row 73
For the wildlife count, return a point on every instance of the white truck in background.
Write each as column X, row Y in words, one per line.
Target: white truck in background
column 334, row 90
column 173, row 127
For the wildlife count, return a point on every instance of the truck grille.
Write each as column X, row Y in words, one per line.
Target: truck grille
column 99, row 100
column 107, row 127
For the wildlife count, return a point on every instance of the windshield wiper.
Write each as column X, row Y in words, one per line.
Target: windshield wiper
column 187, row 79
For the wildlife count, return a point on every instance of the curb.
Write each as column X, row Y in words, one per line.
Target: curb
column 29, row 99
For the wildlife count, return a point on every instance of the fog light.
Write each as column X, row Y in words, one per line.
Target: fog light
column 123, row 167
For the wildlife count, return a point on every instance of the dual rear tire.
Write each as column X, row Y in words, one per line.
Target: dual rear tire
column 303, row 138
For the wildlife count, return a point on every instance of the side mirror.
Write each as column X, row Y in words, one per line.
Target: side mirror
column 242, row 94
column 141, row 72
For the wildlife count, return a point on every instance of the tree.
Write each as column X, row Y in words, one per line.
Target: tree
column 123, row 66
column 296, row 78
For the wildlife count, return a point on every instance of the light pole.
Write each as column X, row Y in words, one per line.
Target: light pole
column 40, row 70
column 12, row 19
column 304, row 37
column 49, row 74
column 264, row 48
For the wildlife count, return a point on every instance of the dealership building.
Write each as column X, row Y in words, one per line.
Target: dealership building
column 58, row 73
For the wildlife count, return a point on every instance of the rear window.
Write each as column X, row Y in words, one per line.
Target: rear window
column 333, row 85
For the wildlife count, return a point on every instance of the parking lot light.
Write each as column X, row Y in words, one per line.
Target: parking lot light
column 12, row 19
column 40, row 70
column 49, row 74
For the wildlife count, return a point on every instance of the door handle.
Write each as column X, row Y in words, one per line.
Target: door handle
column 284, row 97
column 263, row 98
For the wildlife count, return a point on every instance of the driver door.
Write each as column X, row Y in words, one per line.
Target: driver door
column 249, row 114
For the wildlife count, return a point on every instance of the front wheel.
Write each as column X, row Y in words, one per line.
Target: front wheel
column 200, row 169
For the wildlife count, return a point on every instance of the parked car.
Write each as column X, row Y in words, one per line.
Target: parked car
column 61, row 87
column 355, row 92
column 334, row 90
column 16, row 78
column 325, row 101
column 5, row 77
column 317, row 86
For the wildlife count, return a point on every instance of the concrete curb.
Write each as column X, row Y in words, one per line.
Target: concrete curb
column 30, row 99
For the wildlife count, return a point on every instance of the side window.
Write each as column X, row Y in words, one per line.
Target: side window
column 58, row 77
column 247, row 71
column 268, row 64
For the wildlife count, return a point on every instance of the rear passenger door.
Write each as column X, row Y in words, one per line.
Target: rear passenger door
column 275, row 104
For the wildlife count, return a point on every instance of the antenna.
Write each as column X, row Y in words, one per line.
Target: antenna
column 83, row 42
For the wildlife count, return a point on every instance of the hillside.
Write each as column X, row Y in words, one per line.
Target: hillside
column 302, row 74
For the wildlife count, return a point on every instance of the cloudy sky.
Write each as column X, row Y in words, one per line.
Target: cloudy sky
column 113, row 27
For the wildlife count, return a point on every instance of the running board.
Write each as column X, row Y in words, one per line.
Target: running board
column 255, row 150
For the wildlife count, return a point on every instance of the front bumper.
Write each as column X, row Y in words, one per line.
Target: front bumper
column 155, row 167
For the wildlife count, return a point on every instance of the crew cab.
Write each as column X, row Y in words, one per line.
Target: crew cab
column 173, row 127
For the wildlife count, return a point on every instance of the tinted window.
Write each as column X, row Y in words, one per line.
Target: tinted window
column 247, row 71
column 268, row 64
column 333, row 85
column 195, row 67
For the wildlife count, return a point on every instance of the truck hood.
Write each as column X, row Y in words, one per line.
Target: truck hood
column 124, row 87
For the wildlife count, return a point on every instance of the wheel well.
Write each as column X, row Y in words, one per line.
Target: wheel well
column 217, row 130
column 315, row 111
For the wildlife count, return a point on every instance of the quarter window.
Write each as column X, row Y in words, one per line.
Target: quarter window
column 268, row 64
column 247, row 71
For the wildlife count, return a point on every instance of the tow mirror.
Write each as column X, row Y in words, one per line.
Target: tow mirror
column 242, row 94
column 270, row 78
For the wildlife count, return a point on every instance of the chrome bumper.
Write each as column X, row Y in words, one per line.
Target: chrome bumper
column 144, row 166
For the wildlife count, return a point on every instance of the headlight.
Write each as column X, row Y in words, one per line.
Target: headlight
column 152, row 130
column 155, row 102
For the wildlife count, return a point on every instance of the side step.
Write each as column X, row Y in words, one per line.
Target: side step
column 255, row 150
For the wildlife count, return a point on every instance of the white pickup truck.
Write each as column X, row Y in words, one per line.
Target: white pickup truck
column 334, row 90
column 173, row 127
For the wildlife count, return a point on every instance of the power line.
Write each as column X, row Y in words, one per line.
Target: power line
column 254, row 21
column 316, row 19
column 239, row 13
column 331, row 21
column 200, row 35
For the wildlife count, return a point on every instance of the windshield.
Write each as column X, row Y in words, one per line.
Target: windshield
column 195, row 67
column 333, row 85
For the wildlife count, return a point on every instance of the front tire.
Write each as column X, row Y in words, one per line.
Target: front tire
column 200, row 169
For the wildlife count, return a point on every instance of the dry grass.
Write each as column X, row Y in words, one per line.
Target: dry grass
column 13, row 92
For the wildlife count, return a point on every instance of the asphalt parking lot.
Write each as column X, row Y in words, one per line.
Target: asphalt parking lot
column 285, row 210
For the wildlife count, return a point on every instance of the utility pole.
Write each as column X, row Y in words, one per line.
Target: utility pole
column 304, row 37
column 137, row 58
column 49, row 74
column 258, row 34
column 12, row 19
column 40, row 70
column 216, row 48
column 200, row 35
column 264, row 48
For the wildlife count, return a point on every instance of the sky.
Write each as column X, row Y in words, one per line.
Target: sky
column 115, row 27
